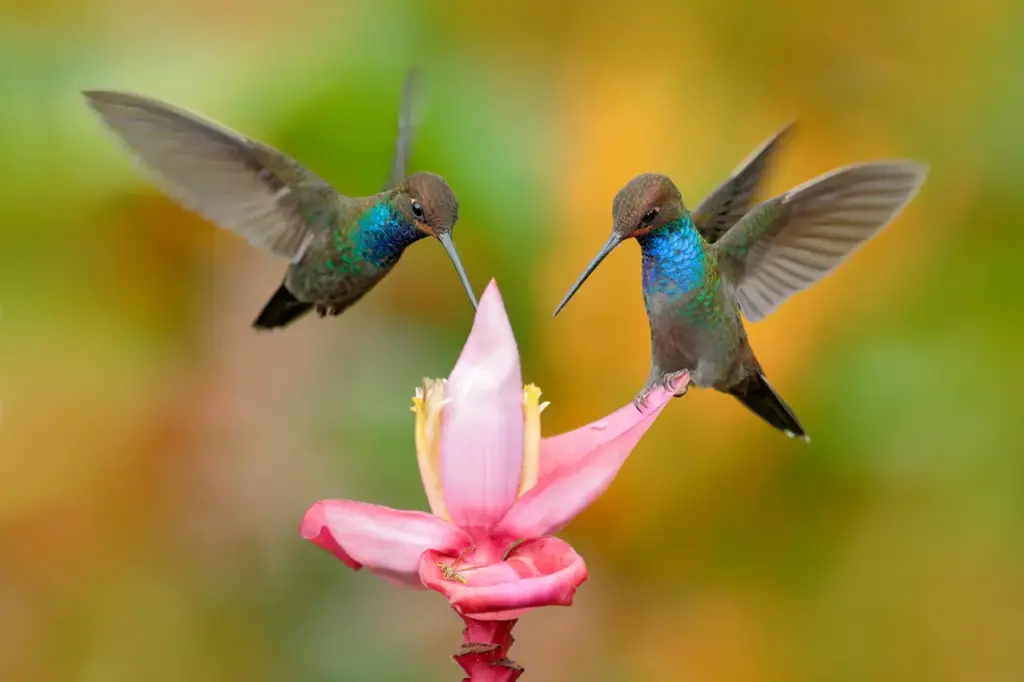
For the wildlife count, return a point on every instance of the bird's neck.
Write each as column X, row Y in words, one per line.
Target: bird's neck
column 383, row 233
column 674, row 255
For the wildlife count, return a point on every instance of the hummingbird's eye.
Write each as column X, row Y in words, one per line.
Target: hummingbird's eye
column 649, row 216
column 417, row 210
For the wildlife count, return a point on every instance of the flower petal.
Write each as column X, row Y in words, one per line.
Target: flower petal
column 541, row 572
column 386, row 541
column 583, row 477
column 566, row 449
column 482, row 422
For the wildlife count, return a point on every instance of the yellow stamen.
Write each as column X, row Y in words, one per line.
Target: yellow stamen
column 532, row 408
column 427, row 404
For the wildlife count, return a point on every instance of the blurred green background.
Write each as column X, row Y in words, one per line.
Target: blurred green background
column 156, row 454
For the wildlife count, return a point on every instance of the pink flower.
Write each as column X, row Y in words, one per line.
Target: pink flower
column 497, row 491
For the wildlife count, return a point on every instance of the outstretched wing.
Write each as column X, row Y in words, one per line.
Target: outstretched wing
column 408, row 120
column 240, row 184
column 788, row 243
column 721, row 209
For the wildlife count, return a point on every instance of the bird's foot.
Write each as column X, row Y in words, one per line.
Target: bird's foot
column 640, row 401
column 667, row 382
column 325, row 310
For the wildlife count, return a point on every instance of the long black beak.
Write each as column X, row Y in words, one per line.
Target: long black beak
column 446, row 241
column 608, row 247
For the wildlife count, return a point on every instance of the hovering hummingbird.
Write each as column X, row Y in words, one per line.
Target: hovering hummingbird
column 338, row 247
column 702, row 270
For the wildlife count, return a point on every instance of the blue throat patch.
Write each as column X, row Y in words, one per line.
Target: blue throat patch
column 673, row 257
column 383, row 234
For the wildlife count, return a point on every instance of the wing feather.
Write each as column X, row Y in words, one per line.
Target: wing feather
column 237, row 183
column 788, row 243
column 409, row 117
column 731, row 200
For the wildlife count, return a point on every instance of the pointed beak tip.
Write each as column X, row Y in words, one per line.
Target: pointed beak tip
column 608, row 247
column 449, row 245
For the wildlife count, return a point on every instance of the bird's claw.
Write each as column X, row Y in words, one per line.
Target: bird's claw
column 667, row 382
column 325, row 310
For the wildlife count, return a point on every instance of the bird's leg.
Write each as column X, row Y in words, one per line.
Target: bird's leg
column 321, row 310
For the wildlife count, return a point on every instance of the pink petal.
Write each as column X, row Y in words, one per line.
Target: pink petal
column 585, row 475
column 540, row 572
column 482, row 423
column 386, row 541
column 567, row 448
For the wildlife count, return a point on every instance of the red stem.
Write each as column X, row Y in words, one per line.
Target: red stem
column 484, row 654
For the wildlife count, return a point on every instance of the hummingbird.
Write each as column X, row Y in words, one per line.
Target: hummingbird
column 338, row 247
column 704, row 271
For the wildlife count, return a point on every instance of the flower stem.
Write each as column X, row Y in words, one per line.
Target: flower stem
column 484, row 653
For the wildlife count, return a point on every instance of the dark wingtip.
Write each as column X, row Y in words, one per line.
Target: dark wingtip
column 103, row 96
column 92, row 97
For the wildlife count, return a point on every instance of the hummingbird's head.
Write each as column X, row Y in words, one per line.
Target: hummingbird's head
column 429, row 204
column 646, row 203
column 426, row 201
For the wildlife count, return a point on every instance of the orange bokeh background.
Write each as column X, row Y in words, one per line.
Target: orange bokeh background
column 156, row 454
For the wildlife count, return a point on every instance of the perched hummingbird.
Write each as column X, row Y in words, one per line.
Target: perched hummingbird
column 701, row 270
column 339, row 247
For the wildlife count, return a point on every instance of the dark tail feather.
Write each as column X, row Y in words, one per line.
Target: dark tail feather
column 281, row 310
column 757, row 394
